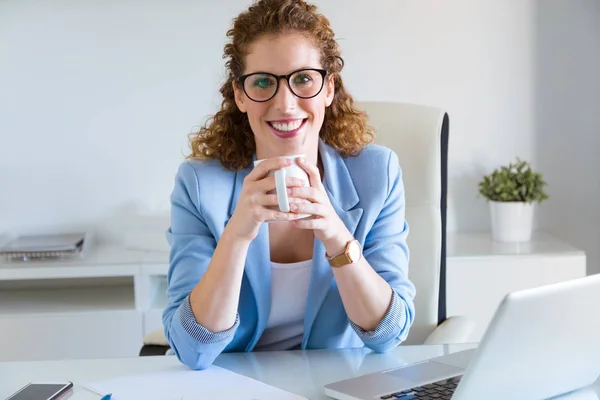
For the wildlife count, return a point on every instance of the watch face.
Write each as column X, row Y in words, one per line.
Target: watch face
column 354, row 251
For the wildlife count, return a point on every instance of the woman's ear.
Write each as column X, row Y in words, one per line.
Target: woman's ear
column 239, row 96
column 329, row 90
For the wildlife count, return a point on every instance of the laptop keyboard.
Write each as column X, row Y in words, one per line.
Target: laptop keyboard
column 440, row 390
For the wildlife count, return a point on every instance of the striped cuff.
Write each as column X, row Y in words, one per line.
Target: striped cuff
column 392, row 322
column 197, row 331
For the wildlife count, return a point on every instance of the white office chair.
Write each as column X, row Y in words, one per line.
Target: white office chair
column 419, row 136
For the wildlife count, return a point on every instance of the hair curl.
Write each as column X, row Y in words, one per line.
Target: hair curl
column 227, row 134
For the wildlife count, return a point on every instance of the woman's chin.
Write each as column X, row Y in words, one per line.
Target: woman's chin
column 290, row 146
column 296, row 148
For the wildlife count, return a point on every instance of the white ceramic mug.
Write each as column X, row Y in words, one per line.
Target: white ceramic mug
column 293, row 170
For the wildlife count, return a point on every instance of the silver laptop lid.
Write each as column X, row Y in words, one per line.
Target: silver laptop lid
column 542, row 342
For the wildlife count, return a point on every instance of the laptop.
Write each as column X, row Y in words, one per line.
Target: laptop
column 542, row 342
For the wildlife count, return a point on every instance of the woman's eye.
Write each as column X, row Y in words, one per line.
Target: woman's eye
column 262, row 83
column 303, row 78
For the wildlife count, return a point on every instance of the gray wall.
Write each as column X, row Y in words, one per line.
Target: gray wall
column 567, row 109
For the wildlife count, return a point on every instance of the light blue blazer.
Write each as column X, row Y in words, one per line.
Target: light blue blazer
column 367, row 193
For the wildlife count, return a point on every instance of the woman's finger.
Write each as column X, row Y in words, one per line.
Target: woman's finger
column 266, row 166
column 307, row 192
column 313, row 173
column 263, row 185
column 267, row 200
column 268, row 183
column 316, row 209
column 276, row 215
column 309, row 223
column 295, row 182
column 270, row 200
column 298, row 200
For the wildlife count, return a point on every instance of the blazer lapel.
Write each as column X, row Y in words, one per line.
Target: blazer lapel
column 343, row 197
column 258, row 267
column 258, row 271
column 238, row 181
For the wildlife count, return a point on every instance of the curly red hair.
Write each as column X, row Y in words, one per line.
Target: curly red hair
column 227, row 134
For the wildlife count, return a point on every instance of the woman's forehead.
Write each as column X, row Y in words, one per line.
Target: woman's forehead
column 282, row 54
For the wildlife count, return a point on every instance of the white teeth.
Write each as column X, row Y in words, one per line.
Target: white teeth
column 287, row 127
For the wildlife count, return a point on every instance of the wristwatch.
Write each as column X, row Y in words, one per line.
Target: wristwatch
column 351, row 254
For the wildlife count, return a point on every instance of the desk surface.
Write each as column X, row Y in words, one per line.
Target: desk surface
column 301, row 372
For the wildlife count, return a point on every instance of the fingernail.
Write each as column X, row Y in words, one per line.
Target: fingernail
column 288, row 161
column 293, row 207
column 302, row 159
column 289, row 191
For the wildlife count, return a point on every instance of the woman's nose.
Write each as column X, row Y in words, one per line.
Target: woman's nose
column 284, row 99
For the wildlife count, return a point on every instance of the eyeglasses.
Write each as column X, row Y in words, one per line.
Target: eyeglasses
column 263, row 86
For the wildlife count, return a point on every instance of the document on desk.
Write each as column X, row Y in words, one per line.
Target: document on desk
column 181, row 383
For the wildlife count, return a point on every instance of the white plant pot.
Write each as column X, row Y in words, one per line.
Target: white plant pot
column 511, row 221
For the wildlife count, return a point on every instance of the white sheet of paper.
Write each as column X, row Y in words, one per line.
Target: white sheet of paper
column 181, row 383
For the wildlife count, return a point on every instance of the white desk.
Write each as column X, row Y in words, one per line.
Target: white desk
column 301, row 372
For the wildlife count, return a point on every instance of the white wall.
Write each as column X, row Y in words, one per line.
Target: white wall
column 98, row 97
column 567, row 134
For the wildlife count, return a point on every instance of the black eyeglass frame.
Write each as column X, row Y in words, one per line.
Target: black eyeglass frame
column 278, row 78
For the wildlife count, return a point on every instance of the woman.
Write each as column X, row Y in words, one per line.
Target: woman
column 337, row 279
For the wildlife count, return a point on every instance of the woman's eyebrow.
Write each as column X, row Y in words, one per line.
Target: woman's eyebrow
column 262, row 71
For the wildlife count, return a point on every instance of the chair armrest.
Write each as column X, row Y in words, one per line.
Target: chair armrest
column 453, row 330
column 156, row 338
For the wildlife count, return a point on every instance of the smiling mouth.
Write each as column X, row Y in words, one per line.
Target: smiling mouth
column 287, row 129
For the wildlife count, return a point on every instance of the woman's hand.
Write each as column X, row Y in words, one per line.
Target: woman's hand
column 252, row 207
column 326, row 224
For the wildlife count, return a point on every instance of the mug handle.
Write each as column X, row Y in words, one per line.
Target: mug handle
column 282, row 197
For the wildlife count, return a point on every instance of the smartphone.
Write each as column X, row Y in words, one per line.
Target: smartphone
column 42, row 391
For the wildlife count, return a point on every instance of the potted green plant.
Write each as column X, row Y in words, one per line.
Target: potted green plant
column 512, row 191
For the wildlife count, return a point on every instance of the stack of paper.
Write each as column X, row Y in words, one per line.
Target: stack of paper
column 181, row 383
column 28, row 247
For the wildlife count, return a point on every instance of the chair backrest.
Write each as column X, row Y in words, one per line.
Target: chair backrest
column 419, row 136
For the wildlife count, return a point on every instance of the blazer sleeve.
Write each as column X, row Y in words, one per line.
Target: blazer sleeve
column 386, row 251
column 191, row 248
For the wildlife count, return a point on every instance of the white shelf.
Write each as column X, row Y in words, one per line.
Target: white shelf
column 66, row 301
column 481, row 272
column 73, row 301
column 101, row 261
column 155, row 263
column 473, row 245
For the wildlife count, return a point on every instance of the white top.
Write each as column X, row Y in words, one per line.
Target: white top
column 289, row 289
